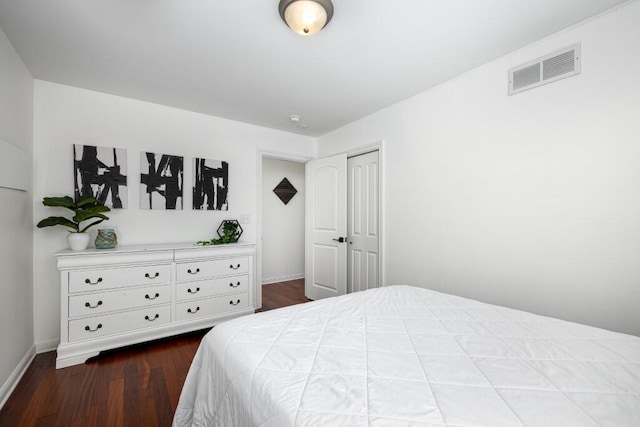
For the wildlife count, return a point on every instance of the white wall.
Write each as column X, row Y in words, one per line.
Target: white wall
column 66, row 116
column 282, row 225
column 16, row 285
column 530, row 201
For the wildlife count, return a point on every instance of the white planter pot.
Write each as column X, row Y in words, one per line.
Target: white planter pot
column 78, row 241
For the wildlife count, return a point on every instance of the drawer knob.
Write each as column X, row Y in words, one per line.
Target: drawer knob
column 155, row 276
column 152, row 298
column 151, row 319
column 234, row 285
column 88, row 304
column 193, row 292
column 88, row 328
column 234, row 303
column 193, row 311
column 89, row 282
column 196, row 271
column 234, row 268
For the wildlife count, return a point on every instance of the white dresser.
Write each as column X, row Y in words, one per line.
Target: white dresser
column 116, row 297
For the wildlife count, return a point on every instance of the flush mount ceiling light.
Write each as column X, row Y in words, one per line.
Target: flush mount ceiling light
column 306, row 17
column 295, row 121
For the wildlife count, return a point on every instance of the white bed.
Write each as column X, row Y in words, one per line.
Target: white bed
column 400, row 356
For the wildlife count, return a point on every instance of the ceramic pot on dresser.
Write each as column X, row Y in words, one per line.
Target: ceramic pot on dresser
column 117, row 297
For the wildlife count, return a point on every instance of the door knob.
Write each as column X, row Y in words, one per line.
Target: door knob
column 340, row 239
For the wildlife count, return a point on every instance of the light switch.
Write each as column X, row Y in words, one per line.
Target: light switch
column 245, row 219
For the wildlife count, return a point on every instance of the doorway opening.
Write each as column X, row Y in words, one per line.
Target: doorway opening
column 281, row 216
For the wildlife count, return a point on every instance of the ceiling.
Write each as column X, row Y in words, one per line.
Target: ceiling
column 236, row 59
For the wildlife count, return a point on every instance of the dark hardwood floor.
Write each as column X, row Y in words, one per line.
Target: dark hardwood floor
column 282, row 294
column 133, row 386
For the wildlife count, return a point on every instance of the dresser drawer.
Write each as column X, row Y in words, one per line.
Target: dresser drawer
column 211, row 287
column 95, row 303
column 109, row 278
column 108, row 324
column 211, row 306
column 205, row 269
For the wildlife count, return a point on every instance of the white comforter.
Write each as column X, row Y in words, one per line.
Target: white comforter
column 400, row 356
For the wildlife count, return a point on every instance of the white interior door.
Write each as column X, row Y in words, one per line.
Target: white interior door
column 326, row 227
column 363, row 222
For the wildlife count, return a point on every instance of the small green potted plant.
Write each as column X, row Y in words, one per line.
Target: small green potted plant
column 229, row 232
column 83, row 210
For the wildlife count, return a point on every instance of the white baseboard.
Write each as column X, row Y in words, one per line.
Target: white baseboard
column 44, row 346
column 13, row 380
column 271, row 280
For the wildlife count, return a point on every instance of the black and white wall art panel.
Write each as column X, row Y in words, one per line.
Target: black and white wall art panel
column 210, row 184
column 100, row 172
column 161, row 181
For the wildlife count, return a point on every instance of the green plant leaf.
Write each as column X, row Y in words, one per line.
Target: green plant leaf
column 87, row 201
column 92, row 224
column 90, row 201
column 100, row 208
column 58, row 220
column 62, row 202
column 85, row 209
column 211, row 242
column 85, row 215
column 90, row 212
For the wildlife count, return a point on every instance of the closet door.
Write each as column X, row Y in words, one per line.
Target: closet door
column 363, row 222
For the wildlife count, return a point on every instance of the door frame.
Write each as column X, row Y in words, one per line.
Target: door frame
column 262, row 154
column 363, row 149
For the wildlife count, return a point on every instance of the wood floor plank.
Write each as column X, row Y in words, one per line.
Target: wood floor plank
column 96, row 416
column 100, row 388
column 161, row 400
column 134, row 386
column 132, row 396
column 115, row 403
column 45, row 421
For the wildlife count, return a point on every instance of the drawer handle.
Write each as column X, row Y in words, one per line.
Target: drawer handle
column 89, row 282
column 234, row 286
column 193, row 272
column 193, row 292
column 234, row 303
column 234, row 268
column 150, row 298
column 150, row 319
column 87, row 328
column 88, row 304
column 155, row 276
column 193, row 311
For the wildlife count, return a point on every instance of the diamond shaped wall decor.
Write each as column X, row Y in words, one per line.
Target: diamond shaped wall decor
column 285, row 191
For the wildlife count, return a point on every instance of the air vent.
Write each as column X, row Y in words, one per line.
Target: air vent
column 549, row 68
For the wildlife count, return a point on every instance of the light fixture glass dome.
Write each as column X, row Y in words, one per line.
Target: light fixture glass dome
column 306, row 17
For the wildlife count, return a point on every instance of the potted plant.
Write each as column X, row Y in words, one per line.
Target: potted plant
column 83, row 210
column 229, row 232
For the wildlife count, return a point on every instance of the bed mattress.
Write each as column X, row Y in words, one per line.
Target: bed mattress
column 400, row 356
